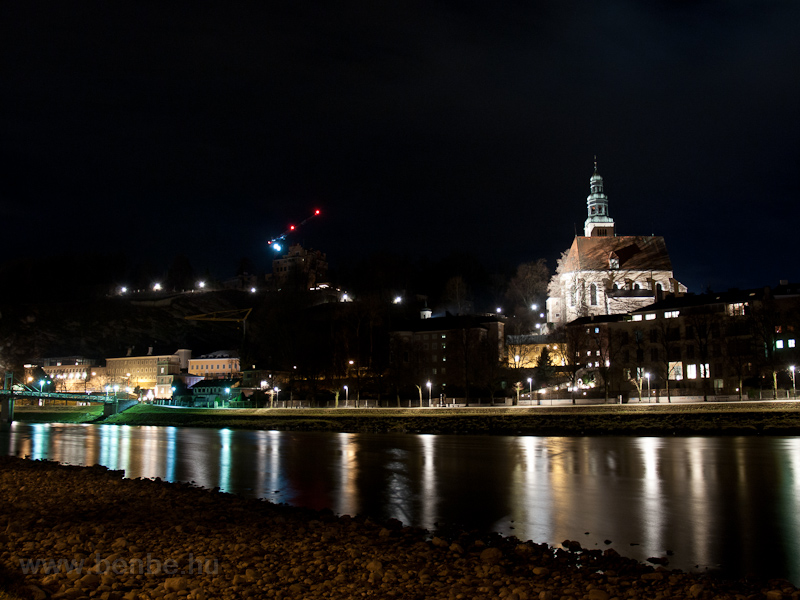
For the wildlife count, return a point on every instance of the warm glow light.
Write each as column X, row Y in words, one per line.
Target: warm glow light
column 156, row 287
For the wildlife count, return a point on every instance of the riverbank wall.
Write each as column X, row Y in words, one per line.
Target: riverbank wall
column 86, row 532
column 746, row 418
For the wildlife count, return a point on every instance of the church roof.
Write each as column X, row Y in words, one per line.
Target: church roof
column 634, row 252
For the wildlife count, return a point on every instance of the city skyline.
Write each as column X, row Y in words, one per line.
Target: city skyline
column 419, row 130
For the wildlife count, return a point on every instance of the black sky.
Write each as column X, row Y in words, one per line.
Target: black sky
column 416, row 127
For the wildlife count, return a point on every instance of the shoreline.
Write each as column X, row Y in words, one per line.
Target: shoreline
column 746, row 418
column 183, row 541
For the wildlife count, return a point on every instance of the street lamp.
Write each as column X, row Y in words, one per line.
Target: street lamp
column 516, row 361
column 794, row 388
column 429, row 393
column 276, row 390
column 346, row 395
column 647, row 376
column 41, row 386
column 530, row 390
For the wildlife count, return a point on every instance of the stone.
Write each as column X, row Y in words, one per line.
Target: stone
column 176, row 584
column 491, row 555
column 696, row 590
column 598, row 594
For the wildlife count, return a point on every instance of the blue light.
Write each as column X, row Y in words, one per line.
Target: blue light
column 276, row 246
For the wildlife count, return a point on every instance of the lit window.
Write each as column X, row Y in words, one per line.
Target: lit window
column 691, row 371
column 705, row 372
column 791, row 343
column 637, row 317
column 671, row 314
column 676, row 370
column 779, row 344
column 650, row 316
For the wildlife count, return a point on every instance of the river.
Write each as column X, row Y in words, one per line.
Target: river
column 726, row 504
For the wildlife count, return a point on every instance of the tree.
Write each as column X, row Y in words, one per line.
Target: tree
column 544, row 371
column 571, row 340
column 528, row 288
column 457, row 296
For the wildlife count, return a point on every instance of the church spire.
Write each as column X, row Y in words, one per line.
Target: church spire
column 598, row 222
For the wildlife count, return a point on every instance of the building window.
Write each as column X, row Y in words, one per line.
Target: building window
column 654, row 354
column 671, row 314
column 637, row 317
column 691, row 371
column 791, row 343
column 779, row 344
column 705, row 371
column 676, row 370
column 593, row 295
column 650, row 316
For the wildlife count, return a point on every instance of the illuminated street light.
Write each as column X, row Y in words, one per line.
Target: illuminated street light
column 156, row 287
column 530, row 391
column 398, row 300
column 201, row 284
column 41, row 386
column 794, row 388
column 428, row 385
column 346, row 394
column 534, row 306
column 647, row 376
column 499, row 310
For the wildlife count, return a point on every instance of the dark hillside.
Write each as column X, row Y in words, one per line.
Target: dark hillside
column 108, row 327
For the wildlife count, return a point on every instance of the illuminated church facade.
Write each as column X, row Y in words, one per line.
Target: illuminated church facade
column 605, row 274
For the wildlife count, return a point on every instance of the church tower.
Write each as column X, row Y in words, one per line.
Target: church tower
column 598, row 223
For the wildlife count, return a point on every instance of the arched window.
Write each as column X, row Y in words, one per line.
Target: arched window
column 636, row 286
column 659, row 287
column 593, row 294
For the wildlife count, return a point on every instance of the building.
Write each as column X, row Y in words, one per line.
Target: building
column 143, row 371
column 70, row 373
column 223, row 364
column 454, row 352
column 605, row 274
column 299, row 269
column 701, row 345
column 214, row 393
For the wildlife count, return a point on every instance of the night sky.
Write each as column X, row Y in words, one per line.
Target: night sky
column 421, row 128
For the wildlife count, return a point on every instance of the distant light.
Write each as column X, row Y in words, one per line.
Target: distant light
column 253, row 290
column 291, row 227
column 534, row 306
column 201, row 284
column 499, row 310
column 156, row 287
column 398, row 300
column 227, row 390
column 276, row 246
column 538, row 325
column 316, row 212
column 541, row 315
column 123, row 290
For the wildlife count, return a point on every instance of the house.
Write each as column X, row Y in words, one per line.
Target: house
column 214, row 393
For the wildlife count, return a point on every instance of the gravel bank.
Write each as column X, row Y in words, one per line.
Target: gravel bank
column 135, row 539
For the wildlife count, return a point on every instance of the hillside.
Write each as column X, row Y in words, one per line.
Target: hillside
column 108, row 327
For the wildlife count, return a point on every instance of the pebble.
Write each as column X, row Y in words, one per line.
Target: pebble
column 150, row 539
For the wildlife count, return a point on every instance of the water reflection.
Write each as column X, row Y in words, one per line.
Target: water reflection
column 711, row 501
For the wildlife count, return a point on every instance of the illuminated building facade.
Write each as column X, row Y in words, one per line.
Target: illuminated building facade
column 605, row 274
column 216, row 365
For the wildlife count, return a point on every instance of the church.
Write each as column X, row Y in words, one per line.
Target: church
column 604, row 273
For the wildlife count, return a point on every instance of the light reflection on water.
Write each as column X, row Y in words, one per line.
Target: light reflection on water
column 711, row 501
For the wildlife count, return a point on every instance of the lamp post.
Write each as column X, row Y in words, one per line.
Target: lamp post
column 276, row 390
column 346, row 395
column 647, row 376
column 530, row 390
column 794, row 388
column 429, row 393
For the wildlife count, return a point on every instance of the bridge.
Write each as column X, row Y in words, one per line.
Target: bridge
column 112, row 404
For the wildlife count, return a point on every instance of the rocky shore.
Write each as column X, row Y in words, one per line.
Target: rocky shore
column 86, row 532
